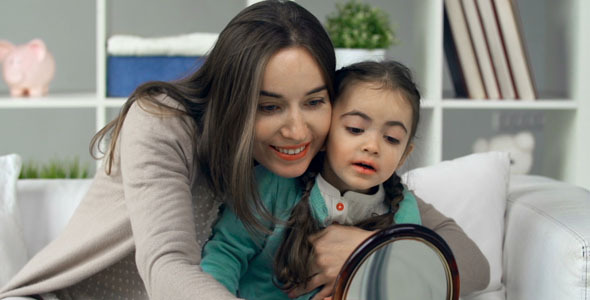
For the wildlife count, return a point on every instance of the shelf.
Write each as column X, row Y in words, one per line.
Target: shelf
column 429, row 103
column 115, row 102
column 511, row 104
column 554, row 33
column 52, row 101
column 61, row 101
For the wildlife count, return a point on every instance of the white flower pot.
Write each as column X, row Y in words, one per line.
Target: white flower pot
column 347, row 56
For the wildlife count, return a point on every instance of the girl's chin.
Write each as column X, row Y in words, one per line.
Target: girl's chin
column 359, row 187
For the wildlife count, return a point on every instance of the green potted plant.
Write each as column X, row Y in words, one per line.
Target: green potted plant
column 359, row 31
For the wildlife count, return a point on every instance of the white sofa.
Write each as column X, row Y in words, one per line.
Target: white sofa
column 546, row 244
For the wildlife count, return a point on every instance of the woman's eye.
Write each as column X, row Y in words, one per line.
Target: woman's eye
column 316, row 102
column 269, row 108
column 355, row 130
column 392, row 140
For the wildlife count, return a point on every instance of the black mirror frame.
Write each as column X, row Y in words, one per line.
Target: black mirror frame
column 396, row 232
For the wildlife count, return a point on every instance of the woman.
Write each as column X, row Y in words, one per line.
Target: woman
column 178, row 150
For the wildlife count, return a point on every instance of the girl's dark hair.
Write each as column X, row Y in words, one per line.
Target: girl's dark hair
column 292, row 261
column 221, row 97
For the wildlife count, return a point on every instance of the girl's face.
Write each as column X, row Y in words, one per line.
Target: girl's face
column 369, row 137
column 294, row 112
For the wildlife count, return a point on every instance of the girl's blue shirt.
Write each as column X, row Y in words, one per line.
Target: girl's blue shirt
column 243, row 262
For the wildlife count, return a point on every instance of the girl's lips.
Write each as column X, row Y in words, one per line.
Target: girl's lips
column 364, row 167
column 291, row 153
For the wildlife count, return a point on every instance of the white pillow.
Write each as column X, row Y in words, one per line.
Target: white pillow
column 13, row 252
column 472, row 190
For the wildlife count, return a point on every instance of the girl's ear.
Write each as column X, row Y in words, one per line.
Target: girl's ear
column 409, row 150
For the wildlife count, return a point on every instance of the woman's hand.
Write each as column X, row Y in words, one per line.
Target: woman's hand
column 332, row 247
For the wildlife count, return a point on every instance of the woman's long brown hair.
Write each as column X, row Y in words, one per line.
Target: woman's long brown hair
column 221, row 97
column 295, row 254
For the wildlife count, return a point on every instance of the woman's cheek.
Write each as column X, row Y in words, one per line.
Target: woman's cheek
column 325, row 120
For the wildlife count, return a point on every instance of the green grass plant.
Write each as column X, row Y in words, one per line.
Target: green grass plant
column 54, row 169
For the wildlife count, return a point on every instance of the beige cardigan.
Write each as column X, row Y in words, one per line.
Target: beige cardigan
column 155, row 208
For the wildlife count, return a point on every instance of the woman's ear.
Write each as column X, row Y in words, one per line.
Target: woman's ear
column 409, row 150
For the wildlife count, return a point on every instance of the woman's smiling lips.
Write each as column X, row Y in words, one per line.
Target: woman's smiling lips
column 365, row 167
column 291, row 152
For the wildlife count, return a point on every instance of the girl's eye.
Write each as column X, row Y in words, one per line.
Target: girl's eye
column 392, row 140
column 269, row 108
column 355, row 130
column 316, row 102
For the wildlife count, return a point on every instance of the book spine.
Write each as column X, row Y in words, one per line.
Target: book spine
column 496, row 47
column 508, row 18
column 464, row 48
column 480, row 46
column 452, row 56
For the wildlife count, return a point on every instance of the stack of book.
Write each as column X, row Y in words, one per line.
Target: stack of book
column 485, row 50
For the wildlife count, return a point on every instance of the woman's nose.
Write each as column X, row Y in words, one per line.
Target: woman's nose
column 295, row 127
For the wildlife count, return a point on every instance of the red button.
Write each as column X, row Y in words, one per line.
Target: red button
column 339, row 206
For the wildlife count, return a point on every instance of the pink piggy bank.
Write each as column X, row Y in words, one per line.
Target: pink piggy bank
column 27, row 68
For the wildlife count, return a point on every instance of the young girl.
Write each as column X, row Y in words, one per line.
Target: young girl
column 374, row 119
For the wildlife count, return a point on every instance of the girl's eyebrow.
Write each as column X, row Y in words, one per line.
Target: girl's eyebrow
column 275, row 95
column 367, row 118
column 396, row 123
column 356, row 113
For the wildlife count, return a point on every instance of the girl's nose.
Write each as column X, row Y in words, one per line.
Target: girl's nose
column 371, row 144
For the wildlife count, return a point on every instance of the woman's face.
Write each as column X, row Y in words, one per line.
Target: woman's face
column 294, row 112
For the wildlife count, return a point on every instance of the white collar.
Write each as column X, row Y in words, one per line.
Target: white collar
column 352, row 207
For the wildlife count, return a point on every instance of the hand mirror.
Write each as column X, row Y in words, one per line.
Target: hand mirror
column 402, row 262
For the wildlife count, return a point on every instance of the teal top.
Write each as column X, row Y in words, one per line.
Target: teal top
column 243, row 263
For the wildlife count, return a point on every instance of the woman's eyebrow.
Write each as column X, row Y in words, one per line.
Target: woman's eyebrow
column 275, row 95
column 270, row 94
column 318, row 89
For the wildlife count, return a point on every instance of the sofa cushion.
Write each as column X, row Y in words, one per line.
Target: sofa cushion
column 472, row 190
column 546, row 253
column 46, row 207
column 13, row 252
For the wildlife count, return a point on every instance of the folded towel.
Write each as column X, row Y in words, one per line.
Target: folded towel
column 193, row 44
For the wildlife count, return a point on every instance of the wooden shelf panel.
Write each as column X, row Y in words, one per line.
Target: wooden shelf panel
column 510, row 104
column 52, row 101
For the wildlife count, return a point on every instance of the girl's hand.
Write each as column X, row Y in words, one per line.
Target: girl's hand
column 332, row 247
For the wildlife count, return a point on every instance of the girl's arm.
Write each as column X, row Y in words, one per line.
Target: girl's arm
column 227, row 253
column 226, row 256
column 157, row 167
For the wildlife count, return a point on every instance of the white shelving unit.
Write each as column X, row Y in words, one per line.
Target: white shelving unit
column 446, row 122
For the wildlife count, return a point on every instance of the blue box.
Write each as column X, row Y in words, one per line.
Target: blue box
column 125, row 73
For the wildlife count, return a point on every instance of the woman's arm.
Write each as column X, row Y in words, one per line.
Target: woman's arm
column 474, row 269
column 156, row 164
column 334, row 245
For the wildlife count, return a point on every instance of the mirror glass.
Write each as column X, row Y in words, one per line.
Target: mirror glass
column 403, row 262
column 406, row 269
